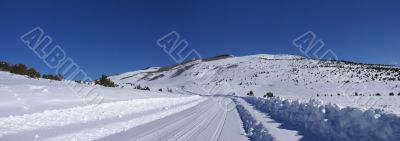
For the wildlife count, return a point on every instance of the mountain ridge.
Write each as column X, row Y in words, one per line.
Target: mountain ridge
column 271, row 72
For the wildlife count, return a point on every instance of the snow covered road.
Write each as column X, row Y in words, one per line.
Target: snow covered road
column 207, row 121
column 92, row 122
column 183, row 118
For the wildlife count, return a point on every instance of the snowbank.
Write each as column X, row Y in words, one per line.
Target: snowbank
column 254, row 129
column 330, row 121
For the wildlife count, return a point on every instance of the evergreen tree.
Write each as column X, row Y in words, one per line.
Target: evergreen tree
column 269, row 94
column 4, row 66
column 57, row 77
column 250, row 93
column 19, row 69
column 33, row 73
column 105, row 81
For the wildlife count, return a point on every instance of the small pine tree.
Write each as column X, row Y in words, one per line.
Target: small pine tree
column 105, row 81
column 57, row 77
column 19, row 69
column 391, row 94
column 251, row 93
column 269, row 94
column 4, row 66
column 378, row 94
column 160, row 90
column 32, row 73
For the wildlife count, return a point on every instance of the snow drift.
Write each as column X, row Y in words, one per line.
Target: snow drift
column 253, row 128
column 331, row 121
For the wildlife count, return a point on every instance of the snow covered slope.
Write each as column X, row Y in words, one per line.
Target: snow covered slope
column 22, row 95
column 287, row 76
column 40, row 109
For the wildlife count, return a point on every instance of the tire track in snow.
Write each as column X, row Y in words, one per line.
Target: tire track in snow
column 206, row 121
column 220, row 127
column 190, row 130
column 167, row 126
column 64, row 117
column 113, row 128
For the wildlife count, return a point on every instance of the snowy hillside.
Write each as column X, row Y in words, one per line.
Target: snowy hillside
column 286, row 76
column 41, row 109
column 195, row 102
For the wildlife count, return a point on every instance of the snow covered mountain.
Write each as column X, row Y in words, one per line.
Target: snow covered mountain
column 284, row 75
column 42, row 109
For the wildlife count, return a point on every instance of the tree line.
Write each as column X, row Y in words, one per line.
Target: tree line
column 22, row 69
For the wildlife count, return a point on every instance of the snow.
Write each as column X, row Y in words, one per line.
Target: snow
column 109, row 129
column 200, row 106
column 274, row 128
column 53, row 118
column 288, row 76
column 207, row 121
column 330, row 121
column 255, row 130
column 21, row 95
column 56, row 113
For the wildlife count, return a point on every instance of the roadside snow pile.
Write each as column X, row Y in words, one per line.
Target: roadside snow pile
column 330, row 121
column 254, row 129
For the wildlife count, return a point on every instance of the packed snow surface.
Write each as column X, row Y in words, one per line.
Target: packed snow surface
column 47, row 110
column 206, row 100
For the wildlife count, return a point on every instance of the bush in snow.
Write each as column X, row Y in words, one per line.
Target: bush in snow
column 251, row 93
column 105, row 81
column 143, row 88
column 4, row 66
column 268, row 95
column 57, row 77
column 331, row 121
column 391, row 94
column 32, row 73
column 169, row 90
column 146, row 88
column 19, row 69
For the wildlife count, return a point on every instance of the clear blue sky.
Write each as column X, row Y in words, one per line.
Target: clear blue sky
column 125, row 32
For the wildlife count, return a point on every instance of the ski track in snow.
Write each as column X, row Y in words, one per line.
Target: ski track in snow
column 106, row 130
column 207, row 121
column 12, row 125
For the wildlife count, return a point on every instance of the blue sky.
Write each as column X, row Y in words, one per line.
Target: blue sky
column 117, row 36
